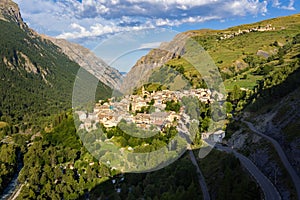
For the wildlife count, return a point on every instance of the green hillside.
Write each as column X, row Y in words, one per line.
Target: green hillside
column 226, row 52
column 36, row 80
column 243, row 53
column 260, row 70
column 36, row 84
column 252, row 64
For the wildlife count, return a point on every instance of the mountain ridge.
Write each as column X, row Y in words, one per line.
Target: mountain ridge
column 10, row 11
column 89, row 61
column 155, row 58
column 39, row 76
column 231, row 56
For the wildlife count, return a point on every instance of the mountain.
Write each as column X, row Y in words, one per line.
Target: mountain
column 89, row 61
column 260, row 66
column 141, row 71
column 36, row 81
column 9, row 11
column 36, row 78
column 233, row 50
column 84, row 57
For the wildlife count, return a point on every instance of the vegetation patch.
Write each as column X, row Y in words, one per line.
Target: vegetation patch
column 226, row 178
column 3, row 124
column 292, row 130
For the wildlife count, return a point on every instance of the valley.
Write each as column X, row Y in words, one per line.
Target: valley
column 164, row 130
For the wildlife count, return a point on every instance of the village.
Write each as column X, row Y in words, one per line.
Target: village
column 268, row 27
column 135, row 109
column 130, row 108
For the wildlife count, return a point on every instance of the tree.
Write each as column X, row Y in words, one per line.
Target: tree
column 131, row 196
column 281, row 60
column 191, row 192
column 151, row 103
column 180, row 69
column 205, row 124
column 150, row 191
column 228, row 107
column 235, row 94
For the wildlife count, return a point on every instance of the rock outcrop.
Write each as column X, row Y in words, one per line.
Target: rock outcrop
column 89, row 61
column 9, row 11
column 141, row 71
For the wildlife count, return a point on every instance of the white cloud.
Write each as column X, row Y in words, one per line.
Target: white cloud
column 115, row 2
column 88, row 2
column 197, row 19
column 151, row 45
column 163, row 22
column 189, row 3
column 290, row 6
column 98, row 30
column 244, row 7
column 278, row 4
column 71, row 19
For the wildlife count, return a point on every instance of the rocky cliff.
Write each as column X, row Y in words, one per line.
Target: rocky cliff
column 9, row 11
column 89, row 61
column 141, row 71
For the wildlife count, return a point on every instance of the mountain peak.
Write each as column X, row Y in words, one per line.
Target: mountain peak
column 10, row 11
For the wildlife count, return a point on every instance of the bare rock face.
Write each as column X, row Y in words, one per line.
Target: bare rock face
column 9, row 11
column 263, row 53
column 89, row 61
column 141, row 71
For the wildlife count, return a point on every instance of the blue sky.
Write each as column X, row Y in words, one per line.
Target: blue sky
column 92, row 22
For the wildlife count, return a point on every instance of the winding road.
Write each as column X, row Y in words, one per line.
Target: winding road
column 184, row 133
column 200, row 177
column 269, row 190
column 284, row 159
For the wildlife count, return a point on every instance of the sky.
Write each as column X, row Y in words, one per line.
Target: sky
column 120, row 31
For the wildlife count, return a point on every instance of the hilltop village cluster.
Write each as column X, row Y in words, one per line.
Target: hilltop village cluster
column 268, row 27
column 113, row 110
